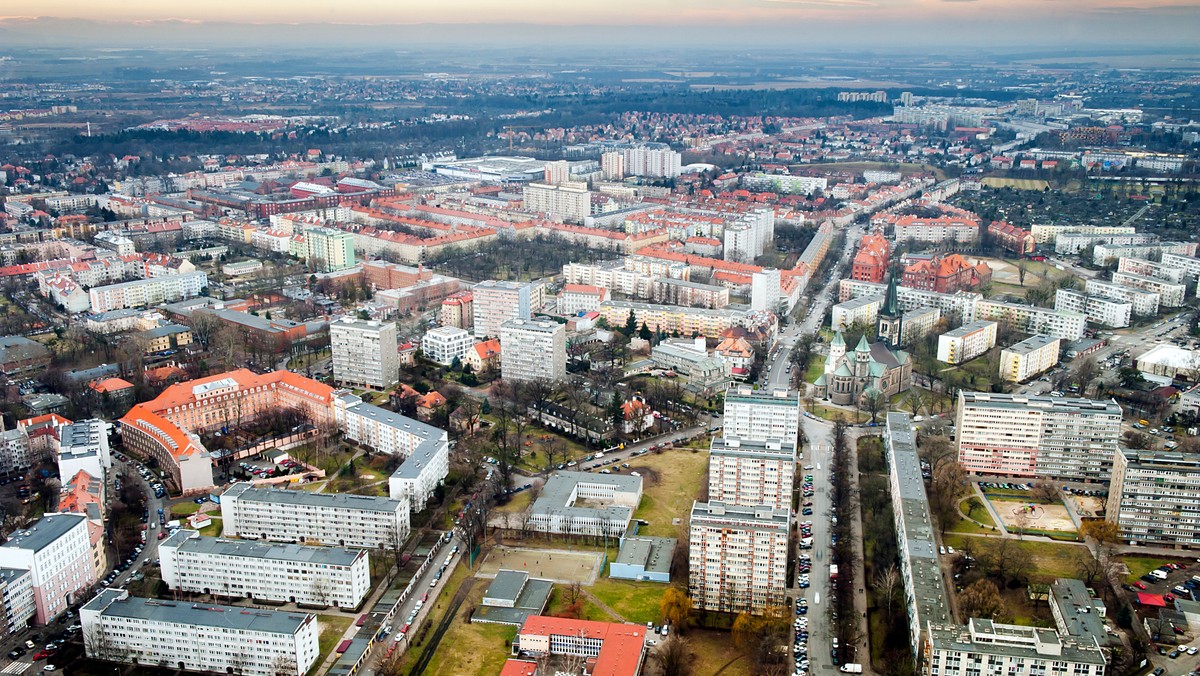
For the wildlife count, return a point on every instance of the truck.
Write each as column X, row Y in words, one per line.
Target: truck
column 851, row 668
column 833, row 572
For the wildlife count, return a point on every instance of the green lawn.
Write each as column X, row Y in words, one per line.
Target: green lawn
column 635, row 601
column 1140, row 565
column 212, row 530
column 1051, row 560
column 713, row 653
column 969, row 526
column 332, row 628
column 982, row 515
column 184, row 509
column 816, row 366
column 458, row 577
column 680, row 476
column 588, row 610
column 476, row 649
column 518, row 503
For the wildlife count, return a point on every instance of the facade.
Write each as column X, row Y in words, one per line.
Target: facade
column 1097, row 309
column 1154, row 497
column 445, row 344
column 986, row 647
column 328, row 249
column 1059, row 438
column 924, row 590
column 960, row 305
column 944, row 229
column 569, row 202
column 144, row 292
column 1045, row 234
column 605, row 504
column 533, row 350
column 364, row 353
column 16, row 594
column 57, row 552
column 690, row 294
column 946, row 274
column 764, row 290
column 1142, row 303
column 198, row 637
column 871, row 260
column 863, row 310
column 609, row 648
column 685, row 321
column 1028, row 358
column 458, row 311
column 874, row 367
column 284, row 573
column 1145, row 268
column 758, row 415
column 1030, row 319
column 14, row 450
column 1170, row 294
column 737, row 557
column 1103, row 254
column 342, row 520
column 1075, row 244
column 654, row 162
column 495, row 302
column 1188, row 262
column 424, row 448
column 575, row 299
column 966, row 342
column 751, row 473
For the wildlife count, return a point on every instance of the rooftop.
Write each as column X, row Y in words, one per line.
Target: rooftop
column 1032, row 344
column 558, row 494
column 191, row 541
column 46, row 531
column 654, row 554
column 246, row 492
column 118, row 603
column 968, row 329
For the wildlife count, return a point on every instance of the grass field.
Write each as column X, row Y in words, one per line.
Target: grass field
column 212, row 530
column 1140, row 565
column 981, row 515
column 468, row 648
column 969, row 526
column 635, row 601
column 816, row 366
column 671, row 484
column 1051, row 560
column 412, row 653
column 332, row 628
column 587, row 610
column 714, row 653
column 1015, row 183
column 184, row 510
column 518, row 503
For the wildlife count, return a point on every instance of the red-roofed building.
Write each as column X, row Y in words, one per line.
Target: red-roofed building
column 611, row 649
column 581, row 298
column 871, row 261
column 115, row 393
column 42, row 432
column 483, row 355
column 519, row 668
column 1017, row 240
column 946, row 274
column 638, row 416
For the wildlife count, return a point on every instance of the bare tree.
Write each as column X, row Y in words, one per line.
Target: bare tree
column 320, row 590
column 886, row 584
column 284, row 665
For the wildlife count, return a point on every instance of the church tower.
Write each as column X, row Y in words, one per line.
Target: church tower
column 837, row 350
column 889, row 316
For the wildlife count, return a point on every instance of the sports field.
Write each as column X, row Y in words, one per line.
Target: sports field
column 1015, row 183
column 1024, row 514
column 559, row 565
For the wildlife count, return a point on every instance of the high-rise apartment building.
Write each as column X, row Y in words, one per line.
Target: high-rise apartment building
column 1154, row 497
column 558, row 171
column 57, row 552
column 764, row 290
column 533, row 350
column 1170, row 294
column 570, row 202
column 1060, row 438
column 328, row 249
column 496, row 302
column 737, row 557
column 656, row 162
column 364, row 353
column 751, row 473
column 1097, row 309
column 612, row 165
column 759, row 415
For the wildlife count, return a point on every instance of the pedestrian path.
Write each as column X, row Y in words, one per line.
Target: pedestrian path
column 16, row 668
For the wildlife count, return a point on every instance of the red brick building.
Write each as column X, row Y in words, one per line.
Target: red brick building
column 946, row 274
column 1017, row 240
column 871, row 261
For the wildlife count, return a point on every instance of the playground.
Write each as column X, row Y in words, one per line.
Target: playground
column 1022, row 514
column 558, row 565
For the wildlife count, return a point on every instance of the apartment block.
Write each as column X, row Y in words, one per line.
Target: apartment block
column 1145, row 268
column 1073, row 244
column 683, row 320
column 495, row 302
column 364, row 353
column 14, row 450
column 912, row 228
column 966, row 342
column 328, row 249
column 924, row 591
column 342, row 519
column 960, row 304
column 1028, row 358
column 1030, row 319
column 750, row 473
column 283, row 573
column 1045, row 234
column 1154, row 497
column 570, row 202
column 986, row 647
column 425, row 448
column 458, row 311
column 83, row 446
column 1060, row 438
column 759, row 415
column 690, row 294
column 579, row 298
column 737, row 557
column 863, row 310
column 1103, row 254
column 1142, row 303
column 57, row 552
column 1188, row 262
column 145, row 292
column 649, row 161
column 118, row 627
column 1097, row 309
column 16, row 595
column 445, row 344
column 533, row 350
column 1170, row 294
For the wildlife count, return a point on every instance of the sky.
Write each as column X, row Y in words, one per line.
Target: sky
column 1117, row 22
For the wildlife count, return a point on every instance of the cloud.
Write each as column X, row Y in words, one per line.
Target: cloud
column 847, row 4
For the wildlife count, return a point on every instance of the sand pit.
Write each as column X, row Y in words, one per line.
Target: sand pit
column 1030, row 516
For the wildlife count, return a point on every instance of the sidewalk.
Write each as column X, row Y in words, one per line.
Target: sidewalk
column 860, row 574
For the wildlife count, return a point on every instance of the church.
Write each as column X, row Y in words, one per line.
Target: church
column 881, row 365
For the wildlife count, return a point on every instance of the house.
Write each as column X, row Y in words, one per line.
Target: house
column 638, row 416
column 428, row 404
column 115, row 395
column 483, row 356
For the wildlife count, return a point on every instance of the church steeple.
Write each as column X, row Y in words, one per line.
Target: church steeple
column 891, row 302
column 888, row 328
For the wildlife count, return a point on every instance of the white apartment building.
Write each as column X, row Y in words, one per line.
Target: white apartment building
column 144, row 292
column 609, row 502
column 1073, row 244
column 986, row 647
column 936, row 230
column 342, row 519
column 57, row 552
column 364, row 353
column 1061, row 438
column 1188, row 262
column 924, row 591
column 1030, row 319
column 83, row 445
column 113, row 241
column 533, row 350
column 1029, row 357
column 284, row 573
column 960, row 304
column 445, row 344
column 1104, row 254
column 1098, row 309
column 497, row 302
column 751, row 473
column 785, row 183
column 16, row 594
column 759, row 415
column 425, row 448
column 575, row 299
column 656, row 162
column 863, row 310
column 1142, row 303
column 327, row 249
column 1154, row 497
column 966, row 342
column 1170, row 294
column 14, row 450
column 764, row 290
column 1145, row 268
column 569, row 202
column 612, row 165
column 198, row 636
column 1044, row 234
column 737, row 557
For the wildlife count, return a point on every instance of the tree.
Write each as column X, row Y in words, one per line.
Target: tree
column 1105, row 533
column 674, row 656
column 949, row 480
column 980, row 599
column 914, row 401
column 886, row 584
column 1085, row 372
column 874, row 401
column 675, row 608
column 1022, row 269
column 1045, row 491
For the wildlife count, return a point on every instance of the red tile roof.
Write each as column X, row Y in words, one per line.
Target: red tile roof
column 620, row 650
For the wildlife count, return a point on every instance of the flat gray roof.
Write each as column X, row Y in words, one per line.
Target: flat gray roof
column 1031, row 344
column 245, row 492
column 774, row 397
column 654, row 554
column 1064, row 404
column 506, row 585
column 191, row 541
column 41, row 534
column 967, row 329
column 957, row 637
column 861, row 301
column 770, row 448
column 198, row 614
column 557, row 491
column 738, row 516
column 1079, row 610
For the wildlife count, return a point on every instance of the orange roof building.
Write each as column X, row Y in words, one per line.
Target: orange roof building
column 946, row 274
column 871, row 261
column 611, row 649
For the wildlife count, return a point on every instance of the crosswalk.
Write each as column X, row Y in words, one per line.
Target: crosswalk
column 16, row 668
